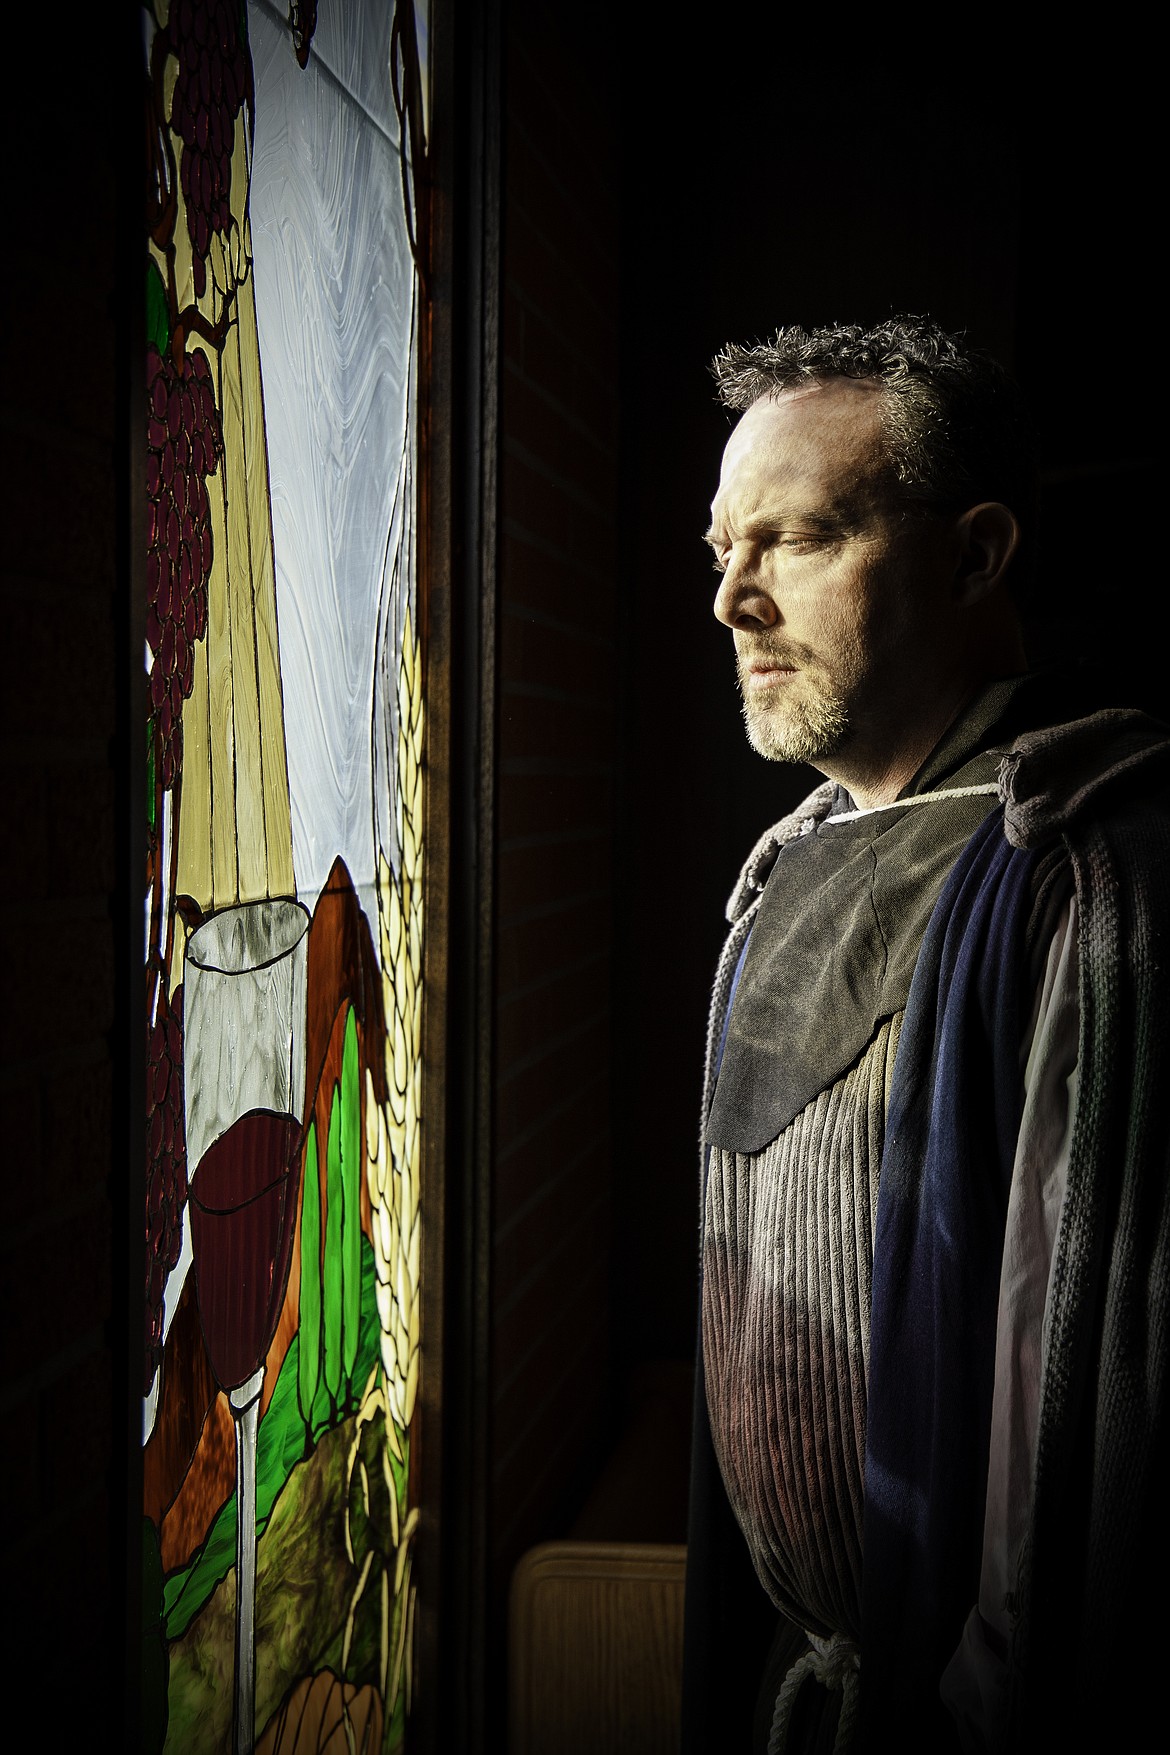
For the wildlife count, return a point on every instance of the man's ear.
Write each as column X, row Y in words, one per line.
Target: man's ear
column 989, row 535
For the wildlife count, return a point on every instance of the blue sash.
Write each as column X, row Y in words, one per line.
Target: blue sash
column 955, row 1107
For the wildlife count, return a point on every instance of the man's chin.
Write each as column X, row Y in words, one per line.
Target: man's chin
column 781, row 738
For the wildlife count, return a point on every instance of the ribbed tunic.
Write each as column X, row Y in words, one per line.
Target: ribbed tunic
column 787, row 1264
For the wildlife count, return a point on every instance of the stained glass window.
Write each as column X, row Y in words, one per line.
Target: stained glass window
column 283, row 920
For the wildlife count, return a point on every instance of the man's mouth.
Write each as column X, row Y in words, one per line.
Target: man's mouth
column 762, row 673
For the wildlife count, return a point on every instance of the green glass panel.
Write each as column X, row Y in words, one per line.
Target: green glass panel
column 158, row 322
column 309, row 1367
column 154, row 1651
column 282, row 1443
column 151, row 814
column 332, row 1273
column 351, row 1195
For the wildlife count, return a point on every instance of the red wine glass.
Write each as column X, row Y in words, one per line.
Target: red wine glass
column 244, row 1002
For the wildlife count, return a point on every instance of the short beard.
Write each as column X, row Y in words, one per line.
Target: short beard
column 808, row 728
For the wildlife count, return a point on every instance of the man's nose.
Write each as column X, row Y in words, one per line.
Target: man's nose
column 741, row 600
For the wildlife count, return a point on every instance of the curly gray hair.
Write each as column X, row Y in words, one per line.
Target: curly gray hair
column 955, row 425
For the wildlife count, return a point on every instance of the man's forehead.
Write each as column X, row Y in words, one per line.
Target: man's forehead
column 829, row 421
column 798, row 406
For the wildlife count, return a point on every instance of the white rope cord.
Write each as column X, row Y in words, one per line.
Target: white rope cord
column 848, row 816
column 835, row 1663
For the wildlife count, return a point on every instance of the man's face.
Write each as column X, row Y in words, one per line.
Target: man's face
column 840, row 603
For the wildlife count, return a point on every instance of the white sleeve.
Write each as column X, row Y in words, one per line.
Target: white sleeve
column 974, row 1685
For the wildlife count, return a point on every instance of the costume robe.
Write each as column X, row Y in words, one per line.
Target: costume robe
column 813, row 997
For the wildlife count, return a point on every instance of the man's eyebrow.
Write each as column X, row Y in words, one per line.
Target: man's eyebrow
column 823, row 523
column 828, row 523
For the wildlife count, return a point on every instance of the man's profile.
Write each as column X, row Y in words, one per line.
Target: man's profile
column 931, row 1446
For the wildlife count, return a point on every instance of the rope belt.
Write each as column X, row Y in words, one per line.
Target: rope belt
column 848, row 816
column 834, row 1663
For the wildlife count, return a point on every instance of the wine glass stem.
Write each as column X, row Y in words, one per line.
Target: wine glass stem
column 245, row 1405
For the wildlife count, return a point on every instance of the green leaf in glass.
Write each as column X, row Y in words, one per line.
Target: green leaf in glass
column 151, row 800
column 332, row 1276
column 351, row 1197
column 309, row 1364
column 154, row 1648
column 158, row 316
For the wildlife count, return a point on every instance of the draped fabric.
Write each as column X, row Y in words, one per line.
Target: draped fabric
column 955, row 1108
column 1087, row 1634
column 787, row 1259
column 1093, row 1623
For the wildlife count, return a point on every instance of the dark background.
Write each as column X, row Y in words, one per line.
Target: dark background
column 1009, row 193
column 659, row 191
column 665, row 191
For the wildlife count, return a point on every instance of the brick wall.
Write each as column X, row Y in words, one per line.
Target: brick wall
column 557, row 727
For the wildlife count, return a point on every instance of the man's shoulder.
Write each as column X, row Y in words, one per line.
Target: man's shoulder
column 1054, row 782
column 749, row 886
column 1111, row 766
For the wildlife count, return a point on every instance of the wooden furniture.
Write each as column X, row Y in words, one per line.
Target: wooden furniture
column 595, row 1649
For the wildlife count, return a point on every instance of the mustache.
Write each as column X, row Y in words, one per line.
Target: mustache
column 782, row 653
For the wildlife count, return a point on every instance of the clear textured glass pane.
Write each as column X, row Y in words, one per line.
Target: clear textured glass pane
column 334, row 307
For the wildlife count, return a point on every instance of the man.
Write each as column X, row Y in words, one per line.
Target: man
column 931, row 1418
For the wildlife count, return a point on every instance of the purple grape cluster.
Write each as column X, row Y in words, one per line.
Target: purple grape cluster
column 215, row 76
column 184, row 446
column 166, row 1165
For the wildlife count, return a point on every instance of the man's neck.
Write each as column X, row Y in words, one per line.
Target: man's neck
column 879, row 780
column 875, row 782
